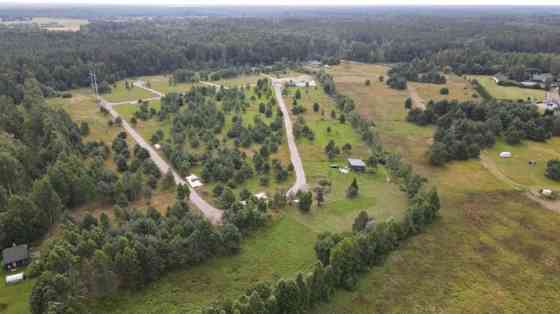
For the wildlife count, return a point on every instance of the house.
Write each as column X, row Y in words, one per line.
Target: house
column 13, row 279
column 194, row 181
column 356, row 164
column 15, row 256
column 505, row 155
column 500, row 78
column 314, row 63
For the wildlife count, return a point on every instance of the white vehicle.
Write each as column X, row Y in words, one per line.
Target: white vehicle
column 194, row 181
column 12, row 279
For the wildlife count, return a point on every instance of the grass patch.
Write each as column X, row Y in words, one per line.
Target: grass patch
column 459, row 89
column 119, row 93
column 14, row 299
column 161, row 84
column 281, row 249
column 493, row 249
column 507, row 92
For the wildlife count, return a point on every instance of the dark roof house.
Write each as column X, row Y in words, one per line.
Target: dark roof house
column 15, row 256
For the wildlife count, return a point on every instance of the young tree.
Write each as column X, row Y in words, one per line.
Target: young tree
column 319, row 197
column 84, row 128
column 408, row 103
column 305, row 200
column 352, row 190
column 444, row 91
column 360, row 222
column 168, row 181
column 316, row 107
column 368, row 82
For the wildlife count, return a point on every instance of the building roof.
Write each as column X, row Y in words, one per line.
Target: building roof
column 356, row 162
column 15, row 254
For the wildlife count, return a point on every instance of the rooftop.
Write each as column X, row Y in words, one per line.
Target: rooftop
column 356, row 162
column 15, row 254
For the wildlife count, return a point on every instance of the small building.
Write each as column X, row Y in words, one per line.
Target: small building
column 356, row 164
column 546, row 192
column 13, row 279
column 500, row 78
column 261, row 196
column 15, row 256
column 194, row 181
column 505, row 155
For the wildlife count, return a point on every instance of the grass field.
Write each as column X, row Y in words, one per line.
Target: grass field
column 120, row 93
column 239, row 81
column 507, row 92
column 492, row 251
column 459, row 89
column 14, row 299
column 378, row 197
column 161, row 84
column 518, row 169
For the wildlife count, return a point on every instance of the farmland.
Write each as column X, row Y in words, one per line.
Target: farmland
column 484, row 253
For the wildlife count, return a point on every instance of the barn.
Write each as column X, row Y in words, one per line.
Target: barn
column 15, row 256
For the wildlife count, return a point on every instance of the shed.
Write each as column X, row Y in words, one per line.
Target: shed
column 505, row 155
column 356, row 164
column 194, row 181
column 12, row 279
column 15, row 256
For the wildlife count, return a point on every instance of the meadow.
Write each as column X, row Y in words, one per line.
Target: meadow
column 507, row 92
column 492, row 250
column 459, row 89
column 120, row 93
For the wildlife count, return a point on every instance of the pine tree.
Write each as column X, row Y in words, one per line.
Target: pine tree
column 353, row 189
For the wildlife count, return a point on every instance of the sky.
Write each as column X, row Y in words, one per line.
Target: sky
column 292, row 2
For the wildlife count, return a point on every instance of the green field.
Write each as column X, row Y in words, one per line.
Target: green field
column 14, row 299
column 161, row 84
column 507, row 92
column 119, row 93
column 518, row 169
column 459, row 89
column 492, row 251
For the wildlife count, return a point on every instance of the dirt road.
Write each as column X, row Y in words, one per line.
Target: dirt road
column 213, row 214
column 142, row 85
column 301, row 183
column 417, row 101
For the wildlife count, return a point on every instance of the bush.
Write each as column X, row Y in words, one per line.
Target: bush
column 444, row 91
column 553, row 170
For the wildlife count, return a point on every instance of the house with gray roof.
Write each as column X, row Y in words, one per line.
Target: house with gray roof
column 15, row 256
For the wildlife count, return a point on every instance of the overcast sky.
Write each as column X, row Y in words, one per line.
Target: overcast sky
column 292, row 2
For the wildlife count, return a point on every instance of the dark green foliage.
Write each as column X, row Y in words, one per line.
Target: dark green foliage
column 353, row 189
column 553, row 170
column 444, row 91
column 305, row 200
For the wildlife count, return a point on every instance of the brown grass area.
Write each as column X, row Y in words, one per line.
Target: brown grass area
column 459, row 89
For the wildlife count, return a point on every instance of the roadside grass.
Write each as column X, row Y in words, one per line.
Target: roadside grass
column 492, row 250
column 459, row 89
column 507, row 92
column 518, row 169
column 161, row 84
column 119, row 93
column 280, row 249
column 14, row 299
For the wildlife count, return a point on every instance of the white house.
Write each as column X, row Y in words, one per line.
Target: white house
column 194, row 181
column 505, row 155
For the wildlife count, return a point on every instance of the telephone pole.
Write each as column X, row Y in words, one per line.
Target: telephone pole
column 93, row 79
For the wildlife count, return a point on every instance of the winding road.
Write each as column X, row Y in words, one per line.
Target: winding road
column 301, row 183
column 213, row 214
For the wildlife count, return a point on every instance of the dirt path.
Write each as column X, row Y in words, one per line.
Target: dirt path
column 301, row 183
column 417, row 101
column 142, row 85
column 531, row 193
column 213, row 214
column 211, row 84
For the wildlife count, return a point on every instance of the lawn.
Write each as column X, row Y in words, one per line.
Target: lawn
column 492, row 251
column 241, row 80
column 119, row 93
column 378, row 197
column 14, row 299
column 507, row 92
column 459, row 89
column 161, row 84
column 518, row 169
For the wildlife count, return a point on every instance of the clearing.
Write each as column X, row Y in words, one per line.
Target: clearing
column 507, row 92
